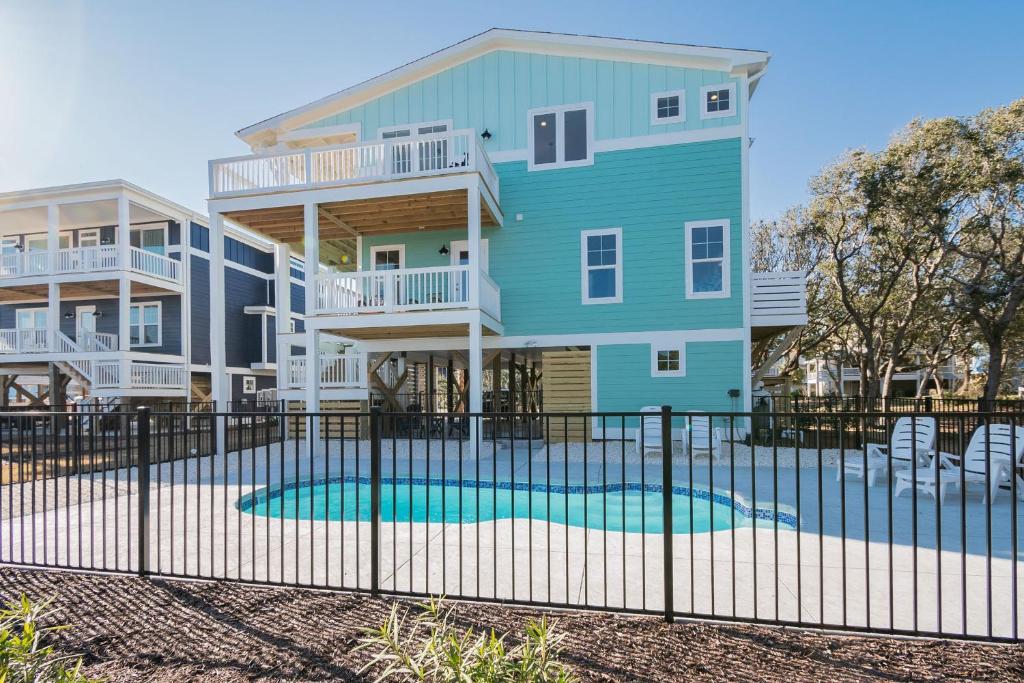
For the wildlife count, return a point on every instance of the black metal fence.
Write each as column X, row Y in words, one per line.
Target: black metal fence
column 882, row 522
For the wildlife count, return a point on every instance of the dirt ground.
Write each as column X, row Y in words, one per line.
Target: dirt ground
column 130, row 629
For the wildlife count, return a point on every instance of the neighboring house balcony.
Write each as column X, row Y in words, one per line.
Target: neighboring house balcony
column 342, row 376
column 778, row 302
column 93, row 359
column 20, row 268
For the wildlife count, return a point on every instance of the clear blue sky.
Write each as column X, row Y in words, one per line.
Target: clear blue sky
column 149, row 91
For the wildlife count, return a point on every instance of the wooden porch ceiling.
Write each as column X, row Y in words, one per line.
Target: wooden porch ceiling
column 407, row 332
column 79, row 290
column 347, row 220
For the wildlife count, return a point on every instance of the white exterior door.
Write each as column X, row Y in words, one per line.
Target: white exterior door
column 460, row 257
column 85, row 327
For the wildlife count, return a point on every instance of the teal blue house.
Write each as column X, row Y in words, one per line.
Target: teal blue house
column 520, row 218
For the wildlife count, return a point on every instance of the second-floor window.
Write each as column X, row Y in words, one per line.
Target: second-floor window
column 561, row 137
column 149, row 239
column 668, row 107
column 707, row 259
column 601, row 256
column 718, row 100
column 144, row 328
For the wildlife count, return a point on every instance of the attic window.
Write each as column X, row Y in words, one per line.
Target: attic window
column 718, row 100
column 668, row 107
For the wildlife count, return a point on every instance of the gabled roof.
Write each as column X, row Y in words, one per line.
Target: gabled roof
column 751, row 63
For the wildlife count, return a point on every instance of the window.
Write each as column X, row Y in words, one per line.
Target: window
column 707, row 259
column 387, row 258
column 601, row 265
column 718, row 100
column 149, row 239
column 668, row 360
column 144, row 327
column 561, row 137
column 248, row 384
column 668, row 107
column 31, row 319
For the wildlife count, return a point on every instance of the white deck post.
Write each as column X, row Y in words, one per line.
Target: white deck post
column 473, row 238
column 52, row 239
column 52, row 315
column 283, row 310
column 185, row 239
column 124, row 304
column 311, row 239
column 476, row 383
column 219, row 386
column 124, row 226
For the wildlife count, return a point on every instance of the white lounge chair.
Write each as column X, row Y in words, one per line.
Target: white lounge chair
column 912, row 438
column 648, row 437
column 996, row 444
column 698, row 435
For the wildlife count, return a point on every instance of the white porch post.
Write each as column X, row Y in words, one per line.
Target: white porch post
column 218, row 359
column 311, row 240
column 52, row 315
column 184, row 240
column 124, row 303
column 473, row 237
column 283, row 311
column 476, row 383
column 52, row 239
column 124, row 223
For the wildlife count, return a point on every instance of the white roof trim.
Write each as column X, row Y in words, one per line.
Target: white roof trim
column 735, row 61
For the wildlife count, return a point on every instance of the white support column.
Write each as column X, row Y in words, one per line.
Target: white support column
column 219, row 384
column 283, row 311
column 52, row 238
column 124, row 224
column 473, row 228
column 311, row 240
column 476, row 382
column 124, row 303
column 52, row 314
column 184, row 239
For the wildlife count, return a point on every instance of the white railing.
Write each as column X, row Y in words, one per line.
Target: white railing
column 87, row 259
column 106, row 373
column 336, row 371
column 434, row 154
column 24, row 340
column 96, row 341
column 20, row 264
column 387, row 291
column 156, row 265
column 157, row 375
column 65, row 344
column 490, row 296
column 778, row 299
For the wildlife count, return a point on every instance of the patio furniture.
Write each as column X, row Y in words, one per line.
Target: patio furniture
column 648, row 436
column 911, row 444
column 995, row 448
column 698, row 435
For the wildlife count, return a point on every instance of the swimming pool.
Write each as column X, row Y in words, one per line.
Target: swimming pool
column 614, row 507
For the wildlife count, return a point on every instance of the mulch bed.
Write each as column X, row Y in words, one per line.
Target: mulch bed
column 131, row 630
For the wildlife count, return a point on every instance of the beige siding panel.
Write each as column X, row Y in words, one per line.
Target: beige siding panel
column 330, row 427
column 567, row 390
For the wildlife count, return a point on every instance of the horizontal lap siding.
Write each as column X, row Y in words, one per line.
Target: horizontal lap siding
column 496, row 90
column 243, row 333
column 199, row 286
column 649, row 193
column 624, row 381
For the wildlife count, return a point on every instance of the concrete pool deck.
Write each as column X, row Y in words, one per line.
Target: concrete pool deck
column 196, row 530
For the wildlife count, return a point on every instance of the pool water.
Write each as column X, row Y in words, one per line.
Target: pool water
column 635, row 509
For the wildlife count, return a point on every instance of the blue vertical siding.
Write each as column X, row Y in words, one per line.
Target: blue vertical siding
column 199, row 287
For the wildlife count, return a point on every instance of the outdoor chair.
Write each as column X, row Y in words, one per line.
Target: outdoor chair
column 997, row 448
column 648, row 435
column 911, row 444
column 698, row 435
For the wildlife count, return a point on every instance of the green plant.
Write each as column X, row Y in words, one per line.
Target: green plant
column 431, row 648
column 25, row 657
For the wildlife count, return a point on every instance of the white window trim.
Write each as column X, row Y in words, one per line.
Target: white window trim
column 249, row 384
column 731, row 111
column 400, row 248
column 413, row 126
column 142, row 324
column 34, row 310
column 681, row 94
column 463, row 245
column 560, row 136
column 688, row 229
column 680, row 347
column 584, row 290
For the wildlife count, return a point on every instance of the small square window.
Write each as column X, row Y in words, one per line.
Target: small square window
column 667, row 361
column 248, row 384
column 718, row 101
column 668, row 107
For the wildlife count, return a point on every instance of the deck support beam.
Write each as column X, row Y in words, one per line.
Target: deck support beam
column 311, row 243
column 219, row 388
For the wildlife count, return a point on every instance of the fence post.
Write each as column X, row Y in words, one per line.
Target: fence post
column 143, row 483
column 374, row 501
column 666, row 504
column 928, row 404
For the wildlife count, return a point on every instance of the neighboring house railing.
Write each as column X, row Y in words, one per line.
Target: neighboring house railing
column 402, row 290
column 359, row 162
column 141, row 375
column 88, row 260
column 336, row 371
column 25, row 340
column 778, row 298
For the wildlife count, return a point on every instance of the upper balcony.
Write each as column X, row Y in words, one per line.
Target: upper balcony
column 436, row 154
column 86, row 260
column 778, row 301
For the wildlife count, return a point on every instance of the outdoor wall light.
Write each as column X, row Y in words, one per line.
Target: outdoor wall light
column 69, row 315
column 486, row 135
column 105, row 240
column 443, row 251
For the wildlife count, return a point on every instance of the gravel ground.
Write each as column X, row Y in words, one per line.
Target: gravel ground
column 133, row 630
